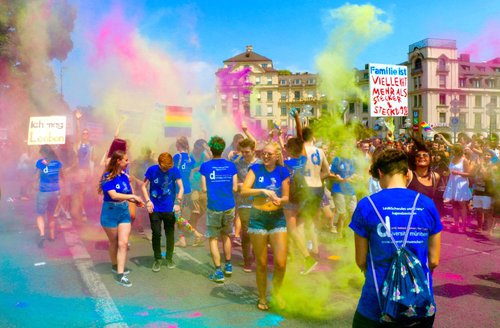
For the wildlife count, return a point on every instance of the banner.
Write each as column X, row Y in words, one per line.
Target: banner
column 47, row 130
column 388, row 90
column 178, row 121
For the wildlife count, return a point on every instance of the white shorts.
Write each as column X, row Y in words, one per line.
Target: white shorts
column 483, row 202
column 344, row 203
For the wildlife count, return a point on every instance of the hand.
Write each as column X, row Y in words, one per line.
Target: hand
column 277, row 201
column 78, row 114
column 150, row 207
column 244, row 125
column 177, row 209
column 271, row 194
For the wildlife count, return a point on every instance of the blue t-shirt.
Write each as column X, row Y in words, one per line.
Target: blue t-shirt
column 120, row 184
column 219, row 175
column 394, row 206
column 185, row 163
column 162, row 187
column 195, row 180
column 49, row 175
column 84, row 153
column 269, row 180
column 345, row 168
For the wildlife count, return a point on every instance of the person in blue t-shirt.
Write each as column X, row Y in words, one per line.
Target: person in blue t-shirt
column 184, row 161
column 343, row 194
column 219, row 179
column 268, row 183
column 49, row 171
column 394, row 202
column 162, row 203
column 115, row 214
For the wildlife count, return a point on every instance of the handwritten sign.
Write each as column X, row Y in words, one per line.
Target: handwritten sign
column 388, row 90
column 47, row 130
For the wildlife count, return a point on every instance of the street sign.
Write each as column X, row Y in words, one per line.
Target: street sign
column 415, row 127
column 455, row 120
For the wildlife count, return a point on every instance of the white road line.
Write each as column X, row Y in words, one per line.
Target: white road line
column 104, row 304
column 468, row 249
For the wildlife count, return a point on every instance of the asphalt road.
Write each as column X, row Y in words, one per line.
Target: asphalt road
column 69, row 282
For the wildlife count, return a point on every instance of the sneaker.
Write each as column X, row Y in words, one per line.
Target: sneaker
column 114, row 269
column 170, row 264
column 156, row 265
column 310, row 264
column 124, row 281
column 228, row 269
column 333, row 229
column 247, row 268
column 217, row 276
column 41, row 241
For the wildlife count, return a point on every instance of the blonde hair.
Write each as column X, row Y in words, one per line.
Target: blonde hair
column 182, row 143
column 277, row 151
column 165, row 161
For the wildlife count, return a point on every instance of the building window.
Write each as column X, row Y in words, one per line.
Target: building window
column 419, row 81
column 283, row 110
column 418, row 63
column 493, row 118
column 258, row 96
column 365, row 107
column 351, row 108
column 312, row 111
column 419, row 100
column 311, row 81
column 415, row 82
column 466, row 68
column 462, row 100
column 442, row 117
column 478, row 101
column 461, row 121
column 264, row 65
column 283, row 82
column 296, row 95
column 442, row 81
column 415, row 104
column 310, row 94
column 442, row 99
column 297, row 82
column 269, row 96
column 257, row 80
column 477, row 121
column 476, row 83
column 269, row 80
column 283, row 95
column 462, row 82
column 269, row 110
column 491, row 83
column 258, row 110
column 493, row 100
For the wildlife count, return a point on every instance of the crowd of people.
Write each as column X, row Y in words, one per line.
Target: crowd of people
column 280, row 194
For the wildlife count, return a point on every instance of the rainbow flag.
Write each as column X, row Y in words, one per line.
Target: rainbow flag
column 178, row 121
column 425, row 126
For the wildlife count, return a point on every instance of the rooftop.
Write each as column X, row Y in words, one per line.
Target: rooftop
column 248, row 56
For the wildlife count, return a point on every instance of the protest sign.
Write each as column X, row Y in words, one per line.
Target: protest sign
column 388, row 90
column 47, row 130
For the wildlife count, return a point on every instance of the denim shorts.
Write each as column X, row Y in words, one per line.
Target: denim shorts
column 114, row 213
column 266, row 222
column 46, row 202
column 219, row 222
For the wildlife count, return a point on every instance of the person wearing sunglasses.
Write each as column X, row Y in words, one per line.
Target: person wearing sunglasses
column 421, row 178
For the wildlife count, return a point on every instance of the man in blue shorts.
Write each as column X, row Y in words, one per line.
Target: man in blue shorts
column 219, row 180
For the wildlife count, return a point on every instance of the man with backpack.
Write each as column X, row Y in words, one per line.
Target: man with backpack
column 397, row 241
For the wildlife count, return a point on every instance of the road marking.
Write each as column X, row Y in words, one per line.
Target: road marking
column 104, row 304
column 468, row 249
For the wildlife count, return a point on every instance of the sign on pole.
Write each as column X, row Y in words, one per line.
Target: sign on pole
column 47, row 130
column 388, row 90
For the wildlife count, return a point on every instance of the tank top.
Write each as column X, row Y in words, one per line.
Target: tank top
column 416, row 185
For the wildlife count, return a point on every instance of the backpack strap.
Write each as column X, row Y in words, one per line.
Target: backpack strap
column 388, row 231
column 410, row 220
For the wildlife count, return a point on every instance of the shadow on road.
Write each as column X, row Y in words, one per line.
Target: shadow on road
column 454, row 290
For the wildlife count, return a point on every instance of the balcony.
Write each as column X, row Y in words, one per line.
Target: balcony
column 443, row 69
column 416, row 71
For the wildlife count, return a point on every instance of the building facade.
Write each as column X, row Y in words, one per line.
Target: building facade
column 445, row 89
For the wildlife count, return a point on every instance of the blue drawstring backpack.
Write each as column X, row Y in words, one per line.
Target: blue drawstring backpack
column 406, row 293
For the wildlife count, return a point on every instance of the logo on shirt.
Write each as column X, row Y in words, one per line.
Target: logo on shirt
column 381, row 229
column 261, row 179
column 212, row 175
column 156, row 180
column 316, row 158
column 117, row 186
column 46, row 170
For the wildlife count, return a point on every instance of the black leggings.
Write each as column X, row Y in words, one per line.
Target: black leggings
column 168, row 219
column 360, row 321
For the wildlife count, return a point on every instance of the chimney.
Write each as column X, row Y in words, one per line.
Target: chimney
column 249, row 48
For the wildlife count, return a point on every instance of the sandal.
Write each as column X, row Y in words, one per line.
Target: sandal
column 262, row 306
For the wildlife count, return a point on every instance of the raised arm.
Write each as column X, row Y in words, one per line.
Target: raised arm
column 249, row 135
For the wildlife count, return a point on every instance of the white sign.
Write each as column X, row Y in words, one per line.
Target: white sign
column 47, row 130
column 388, row 90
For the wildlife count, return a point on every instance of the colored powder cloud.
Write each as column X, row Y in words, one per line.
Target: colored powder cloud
column 486, row 45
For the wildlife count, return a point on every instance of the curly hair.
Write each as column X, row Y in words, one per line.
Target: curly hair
column 217, row 145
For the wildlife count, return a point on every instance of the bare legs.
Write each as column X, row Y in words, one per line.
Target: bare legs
column 118, row 242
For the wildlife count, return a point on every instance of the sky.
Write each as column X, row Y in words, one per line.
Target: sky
column 198, row 36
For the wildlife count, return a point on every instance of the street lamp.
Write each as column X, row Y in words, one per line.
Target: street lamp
column 491, row 112
column 455, row 110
